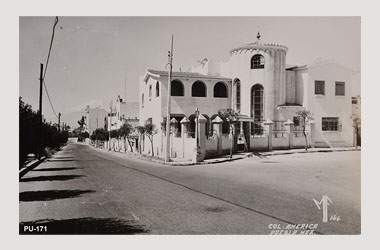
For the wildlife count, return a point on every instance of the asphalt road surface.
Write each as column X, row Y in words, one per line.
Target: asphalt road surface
column 83, row 190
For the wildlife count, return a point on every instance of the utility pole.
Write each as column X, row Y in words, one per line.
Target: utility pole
column 170, row 63
column 109, row 132
column 40, row 111
column 59, row 122
column 125, row 89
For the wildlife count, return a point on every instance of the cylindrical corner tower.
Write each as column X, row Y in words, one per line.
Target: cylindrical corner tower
column 258, row 73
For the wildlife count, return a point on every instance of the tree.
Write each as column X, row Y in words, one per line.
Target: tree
column 114, row 133
column 150, row 131
column 231, row 117
column 100, row 134
column 305, row 117
column 141, row 132
column 125, row 131
column 35, row 137
column 82, row 122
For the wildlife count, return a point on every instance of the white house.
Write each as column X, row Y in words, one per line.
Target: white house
column 122, row 112
column 95, row 118
column 257, row 82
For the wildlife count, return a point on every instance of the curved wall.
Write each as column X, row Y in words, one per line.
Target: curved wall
column 272, row 77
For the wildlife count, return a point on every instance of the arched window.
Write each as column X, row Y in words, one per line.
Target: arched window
column 257, row 109
column 257, row 102
column 142, row 100
column 198, row 89
column 237, row 94
column 220, row 90
column 177, row 88
column 157, row 89
column 257, row 62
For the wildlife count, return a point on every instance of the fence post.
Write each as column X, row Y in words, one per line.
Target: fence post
column 173, row 127
column 269, row 131
column 184, row 133
column 200, row 137
column 218, row 129
column 289, row 125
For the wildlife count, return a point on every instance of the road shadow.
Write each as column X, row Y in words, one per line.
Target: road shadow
column 87, row 225
column 63, row 157
column 51, row 178
column 60, row 160
column 49, row 195
column 54, row 169
column 257, row 154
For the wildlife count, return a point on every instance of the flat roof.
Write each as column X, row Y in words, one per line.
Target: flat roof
column 181, row 74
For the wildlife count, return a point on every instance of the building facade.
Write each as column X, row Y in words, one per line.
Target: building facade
column 122, row 112
column 256, row 82
column 95, row 118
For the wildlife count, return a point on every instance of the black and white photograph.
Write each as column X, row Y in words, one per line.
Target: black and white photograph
column 190, row 125
column 260, row 133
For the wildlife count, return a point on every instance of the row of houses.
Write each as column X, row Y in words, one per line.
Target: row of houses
column 257, row 82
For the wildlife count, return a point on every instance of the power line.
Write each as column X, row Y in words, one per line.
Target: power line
column 47, row 63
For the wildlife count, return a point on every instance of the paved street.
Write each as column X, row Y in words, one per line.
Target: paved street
column 83, row 190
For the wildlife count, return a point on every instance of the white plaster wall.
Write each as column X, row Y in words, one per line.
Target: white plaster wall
column 299, row 140
column 259, row 143
column 272, row 78
column 281, row 142
column 290, row 87
column 226, row 142
column 95, row 119
column 190, row 146
column 211, row 144
column 286, row 113
column 329, row 105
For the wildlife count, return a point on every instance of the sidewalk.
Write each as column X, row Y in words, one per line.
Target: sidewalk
column 226, row 158
column 309, row 150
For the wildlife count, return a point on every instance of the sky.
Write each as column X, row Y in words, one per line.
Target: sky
column 94, row 58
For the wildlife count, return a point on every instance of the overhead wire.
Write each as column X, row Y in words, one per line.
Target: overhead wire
column 46, row 66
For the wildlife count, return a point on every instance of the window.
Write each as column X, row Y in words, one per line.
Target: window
column 220, row 90
column 142, row 100
column 257, row 62
column 157, row 89
column 150, row 91
column 339, row 88
column 198, row 89
column 257, row 102
column 354, row 100
column 319, row 88
column 237, row 94
column 330, row 124
column 177, row 88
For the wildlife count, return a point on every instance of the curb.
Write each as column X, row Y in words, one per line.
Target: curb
column 324, row 150
column 270, row 153
column 157, row 160
column 30, row 166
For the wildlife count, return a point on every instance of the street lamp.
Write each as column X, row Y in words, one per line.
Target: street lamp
column 197, row 128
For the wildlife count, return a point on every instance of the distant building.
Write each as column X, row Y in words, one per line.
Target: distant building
column 257, row 82
column 95, row 118
column 122, row 112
